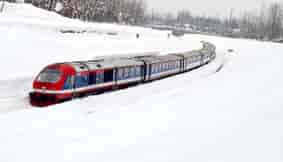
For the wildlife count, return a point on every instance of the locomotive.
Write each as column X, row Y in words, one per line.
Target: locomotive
column 60, row 82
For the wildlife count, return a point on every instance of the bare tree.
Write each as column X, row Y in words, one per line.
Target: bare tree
column 184, row 17
column 2, row 6
column 274, row 25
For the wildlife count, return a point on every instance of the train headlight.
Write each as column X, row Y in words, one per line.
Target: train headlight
column 43, row 88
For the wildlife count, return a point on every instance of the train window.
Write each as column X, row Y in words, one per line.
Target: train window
column 120, row 74
column 126, row 72
column 155, row 69
column 130, row 72
column 108, row 76
column 152, row 69
column 92, row 78
column 99, row 77
column 138, row 71
column 68, row 83
column 49, row 76
column 81, row 81
column 133, row 72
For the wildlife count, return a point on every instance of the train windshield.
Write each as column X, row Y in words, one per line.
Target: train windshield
column 49, row 76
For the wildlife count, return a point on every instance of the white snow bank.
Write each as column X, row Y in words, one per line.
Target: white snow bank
column 30, row 17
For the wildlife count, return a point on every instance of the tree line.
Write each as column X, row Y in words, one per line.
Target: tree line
column 264, row 24
column 122, row 11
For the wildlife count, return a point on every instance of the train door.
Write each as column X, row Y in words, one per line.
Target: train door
column 108, row 76
column 182, row 65
column 149, row 68
column 143, row 71
column 99, row 77
column 81, row 80
column 202, row 59
column 69, row 85
column 115, row 77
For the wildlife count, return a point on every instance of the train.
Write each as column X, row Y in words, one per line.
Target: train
column 61, row 82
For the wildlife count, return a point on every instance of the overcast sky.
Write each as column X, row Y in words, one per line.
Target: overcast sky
column 208, row 7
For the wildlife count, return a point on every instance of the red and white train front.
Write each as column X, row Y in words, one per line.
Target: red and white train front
column 48, row 87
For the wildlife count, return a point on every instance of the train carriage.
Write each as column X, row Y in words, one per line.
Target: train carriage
column 192, row 59
column 64, row 81
column 160, row 66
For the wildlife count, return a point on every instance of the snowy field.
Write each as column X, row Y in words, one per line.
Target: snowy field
column 234, row 115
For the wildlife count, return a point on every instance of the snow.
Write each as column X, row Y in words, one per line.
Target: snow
column 204, row 115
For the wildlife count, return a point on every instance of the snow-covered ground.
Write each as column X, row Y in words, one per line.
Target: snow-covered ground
column 235, row 114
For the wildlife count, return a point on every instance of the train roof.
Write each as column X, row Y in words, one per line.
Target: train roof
column 191, row 53
column 103, row 64
column 127, row 56
column 137, row 59
column 158, row 58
